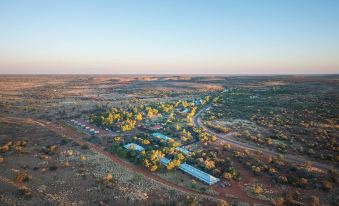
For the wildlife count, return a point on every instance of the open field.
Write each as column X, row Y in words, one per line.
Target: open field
column 259, row 140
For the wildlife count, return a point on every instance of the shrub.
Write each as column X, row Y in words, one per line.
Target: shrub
column 280, row 201
column 327, row 185
column 314, row 201
column 23, row 190
column 22, row 177
column 223, row 203
column 18, row 149
column 53, row 168
column 52, row 149
column 84, row 146
column 4, row 148
column 108, row 178
column 257, row 189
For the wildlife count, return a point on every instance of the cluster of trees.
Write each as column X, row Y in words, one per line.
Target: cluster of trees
column 214, row 162
column 190, row 115
column 176, row 161
column 125, row 120
column 186, row 135
column 166, row 108
column 127, row 125
column 217, row 128
column 204, row 137
column 294, row 198
column 150, row 112
column 152, row 159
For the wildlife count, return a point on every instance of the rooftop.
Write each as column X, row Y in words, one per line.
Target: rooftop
column 201, row 175
column 137, row 147
column 183, row 150
column 161, row 136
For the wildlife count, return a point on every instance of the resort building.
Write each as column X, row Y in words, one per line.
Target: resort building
column 136, row 147
column 161, row 136
column 201, row 175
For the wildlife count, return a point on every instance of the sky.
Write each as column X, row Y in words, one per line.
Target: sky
column 169, row 37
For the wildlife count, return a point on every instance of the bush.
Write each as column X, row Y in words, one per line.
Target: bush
column 84, row 146
column 223, row 203
column 22, row 177
column 53, row 168
column 257, row 189
column 23, row 190
column 4, row 148
column 314, row 201
column 327, row 185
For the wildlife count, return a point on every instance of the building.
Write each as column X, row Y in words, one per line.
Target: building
column 136, row 147
column 201, row 175
column 161, row 136
column 184, row 111
column 156, row 127
column 164, row 161
column 183, row 150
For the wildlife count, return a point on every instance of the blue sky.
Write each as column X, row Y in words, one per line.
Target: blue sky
column 169, row 36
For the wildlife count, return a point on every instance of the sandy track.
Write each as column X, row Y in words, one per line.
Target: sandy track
column 70, row 133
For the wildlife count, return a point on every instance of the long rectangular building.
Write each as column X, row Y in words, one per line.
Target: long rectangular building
column 201, row 175
column 136, row 147
column 183, row 150
column 161, row 136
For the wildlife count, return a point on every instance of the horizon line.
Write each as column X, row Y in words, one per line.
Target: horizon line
column 172, row 74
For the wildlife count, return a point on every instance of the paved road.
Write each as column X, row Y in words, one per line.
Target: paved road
column 227, row 138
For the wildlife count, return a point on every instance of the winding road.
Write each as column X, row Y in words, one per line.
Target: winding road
column 228, row 139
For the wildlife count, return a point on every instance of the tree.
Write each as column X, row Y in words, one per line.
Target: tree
column 327, row 185
column 209, row 164
column 154, row 168
column 145, row 142
column 138, row 117
column 170, row 165
column 180, row 157
column 131, row 147
column 177, row 127
column 257, row 189
column 314, row 201
column 213, row 138
column 4, row 148
column 117, row 139
column 272, row 171
column 308, row 165
column 227, row 175
column 227, row 147
column 302, row 182
column 223, row 203
column 147, row 163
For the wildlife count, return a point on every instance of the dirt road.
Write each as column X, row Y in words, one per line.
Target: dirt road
column 74, row 135
column 71, row 133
